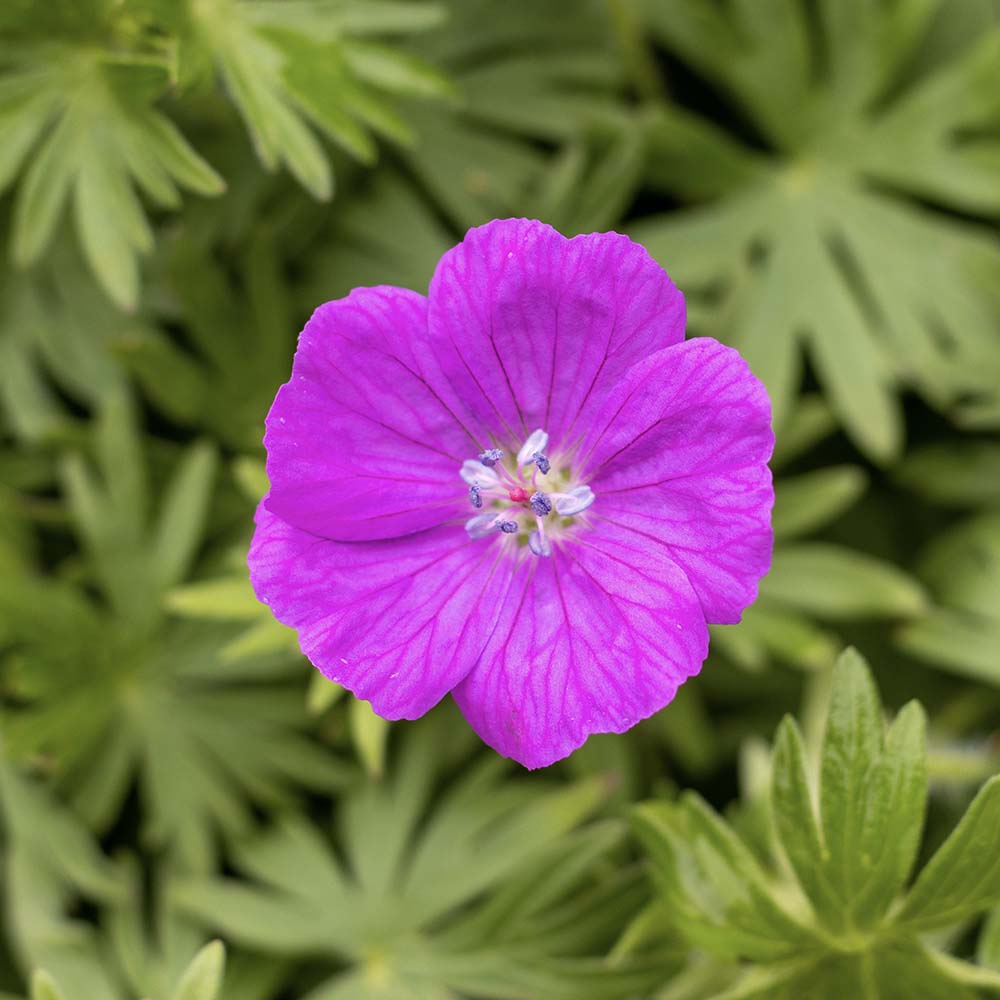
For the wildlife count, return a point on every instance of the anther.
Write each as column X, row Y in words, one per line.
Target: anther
column 508, row 527
column 475, row 496
column 490, row 457
column 476, row 474
column 542, row 462
column 539, row 544
column 481, row 525
column 574, row 501
column 541, row 504
column 536, row 443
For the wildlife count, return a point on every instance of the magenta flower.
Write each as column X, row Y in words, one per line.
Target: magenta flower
column 525, row 489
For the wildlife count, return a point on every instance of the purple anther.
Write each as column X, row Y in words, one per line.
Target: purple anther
column 541, row 504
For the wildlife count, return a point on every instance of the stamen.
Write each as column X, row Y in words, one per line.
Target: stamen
column 574, row 501
column 539, row 544
column 504, row 477
column 515, row 495
column 541, row 504
column 477, row 474
column 536, row 443
column 481, row 525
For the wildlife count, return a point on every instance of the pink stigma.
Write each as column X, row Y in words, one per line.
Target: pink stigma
column 518, row 495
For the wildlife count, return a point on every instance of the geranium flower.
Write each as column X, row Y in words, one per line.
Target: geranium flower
column 525, row 489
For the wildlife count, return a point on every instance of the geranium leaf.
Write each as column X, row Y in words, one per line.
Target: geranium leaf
column 808, row 501
column 286, row 69
column 963, row 877
column 851, row 849
column 803, row 252
column 203, row 977
column 962, row 570
column 834, row 582
column 479, row 890
column 105, row 137
column 44, row 987
column 962, row 473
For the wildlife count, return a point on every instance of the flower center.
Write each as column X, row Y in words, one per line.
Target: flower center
column 520, row 501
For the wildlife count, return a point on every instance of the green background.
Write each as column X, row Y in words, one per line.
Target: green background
column 181, row 183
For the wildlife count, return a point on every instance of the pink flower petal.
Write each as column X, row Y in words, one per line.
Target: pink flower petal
column 544, row 327
column 591, row 640
column 364, row 441
column 678, row 458
column 397, row 622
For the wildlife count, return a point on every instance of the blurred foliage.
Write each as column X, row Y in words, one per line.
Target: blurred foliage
column 962, row 564
column 825, row 234
column 181, row 183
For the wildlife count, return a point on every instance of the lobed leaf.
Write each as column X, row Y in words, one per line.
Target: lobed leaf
column 793, row 251
column 963, row 876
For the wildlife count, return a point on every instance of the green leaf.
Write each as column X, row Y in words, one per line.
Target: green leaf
column 535, row 77
column 814, row 421
column 56, row 328
column 395, row 71
column 285, row 66
column 225, row 598
column 240, row 325
column 962, row 975
column 809, row 501
column 203, row 978
column 962, row 569
column 118, row 693
column 368, row 733
column 988, row 945
column 909, row 969
column 323, row 694
column 594, row 179
column 699, row 158
column 961, row 473
column 480, row 886
column 794, row 250
column 853, row 862
column 770, row 629
column 51, row 833
column 106, row 140
column 362, row 245
column 851, row 742
column 895, row 800
column 353, row 17
column 833, row 582
column 963, row 876
column 795, row 819
column 231, row 599
column 851, row 857
column 51, row 866
column 181, row 523
column 961, row 565
column 44, row 987
column 715, row 890
column 251, row 477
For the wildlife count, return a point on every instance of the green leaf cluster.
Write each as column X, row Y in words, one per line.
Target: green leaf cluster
column 825, row 909
column 80, row 107
column 115, row 690
column 829, row 241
